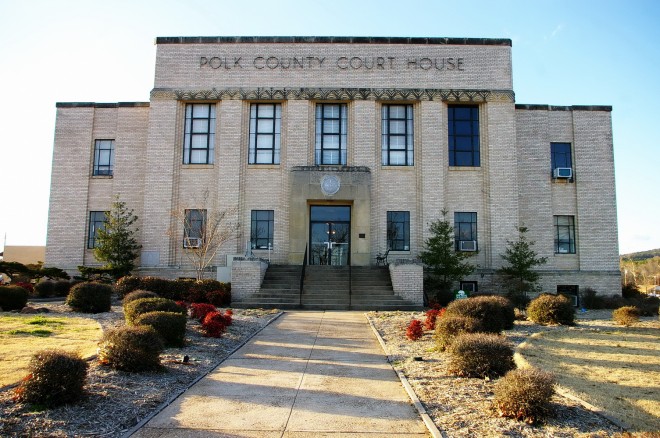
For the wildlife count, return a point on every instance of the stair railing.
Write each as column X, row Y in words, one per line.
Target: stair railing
column 302, row 277
column 350, row 286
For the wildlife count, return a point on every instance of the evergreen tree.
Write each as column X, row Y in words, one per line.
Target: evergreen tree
column 519, row 275
column 116, row 244
column 445, row 265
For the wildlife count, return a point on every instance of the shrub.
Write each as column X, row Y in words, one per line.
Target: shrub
column 208, row 291
column 170, row 326
column 494, row 313
column 448, row 327
column 627, row 315
column 614, row 301
column 137, row 307
column 518, row 299
column 127, row 284
column 524, row 394
column 25, row 285
column 648, row 306
column 415, row 330
column 56, row 377
column 631, row 291
column 13, row 298
column 137, row 294
column 184, row 305
column 131, row 348
column 590, row 299
column 480, row 355
column 200, row 310
column 44, row 289
column 90, row 297
column 63, row 287
column 215, row 324
column 432, row 316
column 551, row 309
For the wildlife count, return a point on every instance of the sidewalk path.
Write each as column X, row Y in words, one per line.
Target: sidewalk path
column 308, row 374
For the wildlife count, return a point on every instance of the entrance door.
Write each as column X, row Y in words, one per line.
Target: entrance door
column 329, row 235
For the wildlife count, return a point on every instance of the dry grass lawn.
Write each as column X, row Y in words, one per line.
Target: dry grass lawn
column 614, row 368
column 23, row 335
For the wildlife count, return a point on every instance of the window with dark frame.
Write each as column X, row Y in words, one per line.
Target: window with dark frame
column 469, row 286
column 397, row 135
column 330, row 133
column 194, row 227
column 564, row 234
column 398, row 230
column 465, row 230
column 96, row 222
column 561, row 155
column 104, row 157
column 263, row 222
column 199, row 133
column 463, row 129
column 265, row 132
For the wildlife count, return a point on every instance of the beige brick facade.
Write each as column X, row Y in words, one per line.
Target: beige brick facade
column 512, row 185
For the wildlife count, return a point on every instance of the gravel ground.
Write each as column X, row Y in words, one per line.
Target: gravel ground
column 461, row 407
column 115, row 401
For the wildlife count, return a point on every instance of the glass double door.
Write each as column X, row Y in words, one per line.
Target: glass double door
column 330, row 235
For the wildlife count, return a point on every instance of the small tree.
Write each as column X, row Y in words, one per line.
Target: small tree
column 445, row 265
column 519, row 275
column 116, row 244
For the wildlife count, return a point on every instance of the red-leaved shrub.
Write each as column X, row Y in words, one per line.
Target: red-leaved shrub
column 415, row 330
column 214, row 324
column 431, row 316
column 27, row 286
column 182, row 304
column 200, row 310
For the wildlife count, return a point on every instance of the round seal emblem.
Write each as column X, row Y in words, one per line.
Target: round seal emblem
column 330, row 184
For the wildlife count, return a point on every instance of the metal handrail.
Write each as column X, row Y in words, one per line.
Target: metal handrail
column 350, row 286
column 302, row 277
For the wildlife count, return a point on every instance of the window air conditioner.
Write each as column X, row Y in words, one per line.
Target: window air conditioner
column 467, row 245
column 562, row 172
column 192, row 242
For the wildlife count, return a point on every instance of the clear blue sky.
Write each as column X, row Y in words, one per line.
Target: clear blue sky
column 565, row 52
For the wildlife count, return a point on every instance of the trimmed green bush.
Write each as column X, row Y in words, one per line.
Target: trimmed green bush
column 551, row 309
column 480, row 355
column 524, row 394
column 127, row 284
column 56, row 377
column 137, row 307
column 170, row 326
column 131, row 348
column 494, row 313
column 90, row 297
column 13, row 297
column 627, row 315
column 45, row 288
column 590, row 299
column 137, row 294
column 63, row 287
column 448, row 327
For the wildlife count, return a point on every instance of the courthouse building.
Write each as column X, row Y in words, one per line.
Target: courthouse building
column 332, row 150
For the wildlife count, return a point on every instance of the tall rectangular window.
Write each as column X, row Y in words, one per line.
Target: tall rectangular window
column 564, row 234
column 265, row 131
column 465, row 231
column 263, row 223
column 397, row 135
column 561, row 156
column 463, row 130
column 96, row 223
column 398, row 230
column 194, row 229
column 330, row 133
column 104, row 157
column 199, row 133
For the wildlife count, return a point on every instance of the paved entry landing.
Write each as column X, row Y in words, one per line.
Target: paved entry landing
column 308, row 374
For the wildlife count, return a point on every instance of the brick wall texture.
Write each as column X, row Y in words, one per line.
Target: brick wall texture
column 511, row 187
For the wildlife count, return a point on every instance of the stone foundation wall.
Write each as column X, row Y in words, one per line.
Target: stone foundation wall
column 408, row 280
column 246, row 276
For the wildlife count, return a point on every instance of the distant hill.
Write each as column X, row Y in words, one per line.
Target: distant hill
column 642, row 255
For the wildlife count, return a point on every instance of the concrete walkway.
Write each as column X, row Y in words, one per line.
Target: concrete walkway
column 308, row 374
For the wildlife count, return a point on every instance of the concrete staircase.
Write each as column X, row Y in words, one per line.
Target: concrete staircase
column 328, row 288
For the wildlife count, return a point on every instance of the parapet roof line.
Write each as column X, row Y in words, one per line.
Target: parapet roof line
column 334, row 40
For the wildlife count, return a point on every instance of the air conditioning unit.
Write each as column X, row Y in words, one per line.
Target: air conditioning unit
column 192, row 242
column 562, row 172
column 467, row 245
column 562, row 250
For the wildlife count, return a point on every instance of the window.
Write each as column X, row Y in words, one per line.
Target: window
column 564, row 235
column 331, row 134
column 262, row 229
column 465, row 231
column 463, row 131
column 194, row 228
column 96, row 223
column 397, row 147
column 265, row 130
column 561, row 156
column 571, row 291
column 469, row 287
column 398, row 230
column 104, row 157
column 199, row 134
